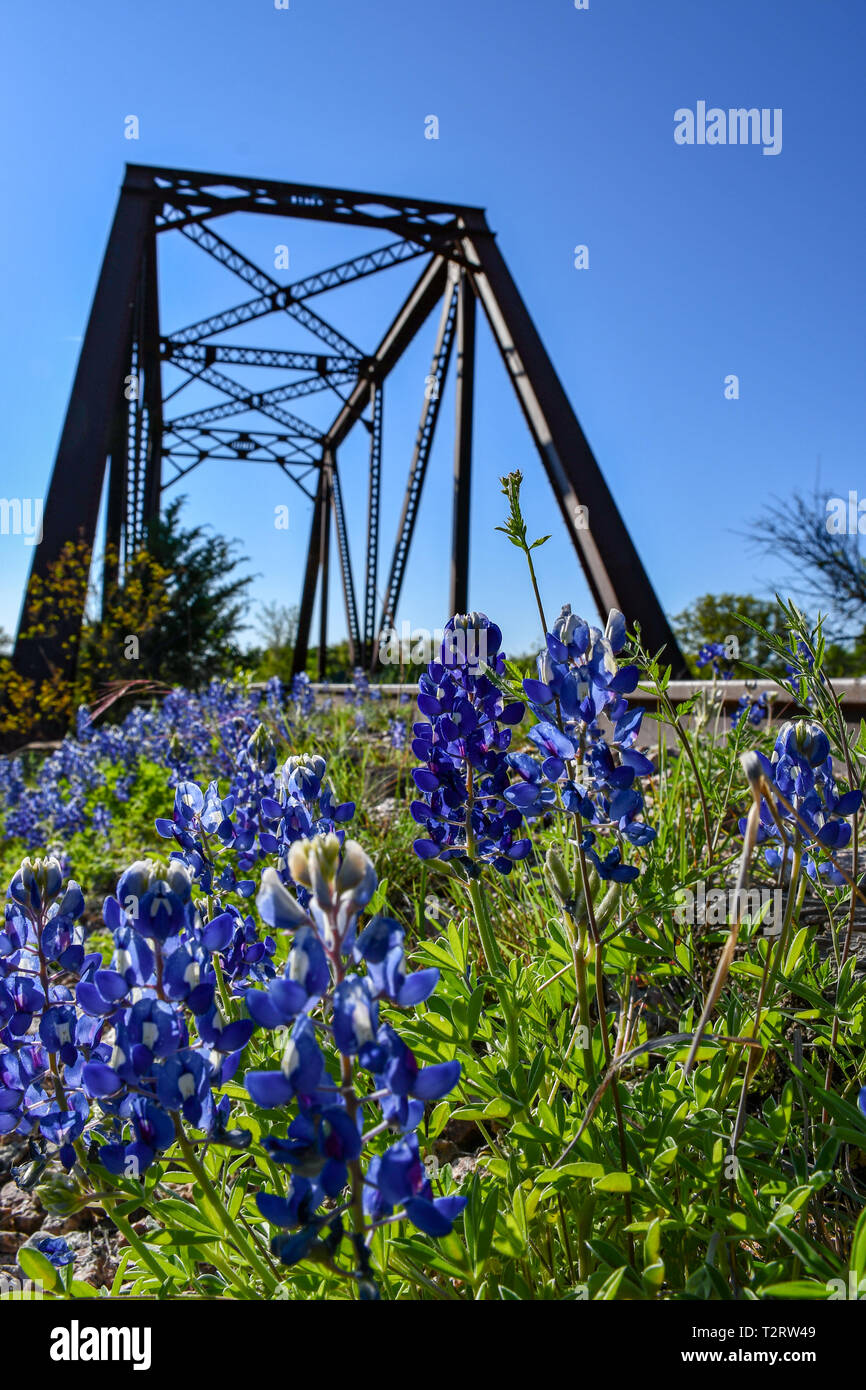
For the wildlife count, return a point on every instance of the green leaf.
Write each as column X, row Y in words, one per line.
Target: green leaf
column 189, row 1217
column 795, row 1288
column 37, row 1267
column 524, row 1129
column 536, row 1073
column 815, row 1261
column 486, row 1225
column 858, row 1248
column 79, row 1289
column 609, row 1289
column 652, row 1242
column 796, row 949
column 473, row 1012
column 569, row 1171
column 614, row 1182
column 497, row 1110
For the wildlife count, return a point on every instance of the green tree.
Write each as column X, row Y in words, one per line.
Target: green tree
column 278, row 625
column 713, row 618
column 196, row 638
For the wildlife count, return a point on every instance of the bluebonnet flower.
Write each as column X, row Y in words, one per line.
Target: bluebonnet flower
column 360, row 690
column 130, row 1044
column 55, row 1249
column 326, row 1003
column 576, row 765
column 464, row 746
column 714, row 654
column 42, row 1039
column 397, row 1180
column 303, row 694
column 184, row 730
column 755, row 710
column 801, row 768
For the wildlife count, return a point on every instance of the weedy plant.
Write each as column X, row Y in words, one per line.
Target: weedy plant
column 576, row 1013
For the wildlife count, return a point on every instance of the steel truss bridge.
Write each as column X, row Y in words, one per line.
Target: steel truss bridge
column 144, row 447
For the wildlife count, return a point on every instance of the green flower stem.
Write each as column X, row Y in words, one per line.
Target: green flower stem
column 118, row 1218
column 578, row 952
column 356, row 1176
column 347, row 1078
column 496, row 968
column 583, row 1003
column 754, row 1056
column 489, row 944
column 141, row 1250
column 605, row 1035
column 221, row 986
column 230, row 1227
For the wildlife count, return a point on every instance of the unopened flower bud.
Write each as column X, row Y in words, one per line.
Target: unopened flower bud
column 314, row 864
column 608, row 904
column 60, row 1195
column 298, row 852
column 752, row 767
column 354, row 867
column 135, row 881
column 261, row 751
column 557, row 876
column 38, row 882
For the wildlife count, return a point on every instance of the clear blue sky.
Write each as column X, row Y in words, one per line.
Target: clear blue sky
column 704, row 261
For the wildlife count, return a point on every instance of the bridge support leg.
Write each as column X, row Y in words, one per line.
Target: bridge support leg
column 459, row 596
column 608, row 556
column 325, row 551
column 311, row 575
column 74, row 494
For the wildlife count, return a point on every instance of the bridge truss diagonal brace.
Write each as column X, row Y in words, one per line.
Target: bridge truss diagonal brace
column 608, row 556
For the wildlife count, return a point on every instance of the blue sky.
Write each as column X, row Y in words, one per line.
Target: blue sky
column 704, row 261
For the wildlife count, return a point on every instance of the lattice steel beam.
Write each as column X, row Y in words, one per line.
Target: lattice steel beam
column 345, row 564
column 208, row 353
column 262, row 401
column 421, row 455
column 191, row 195
column 373, row 502
column 275, row 295
column 412, row 316
column 246, row 398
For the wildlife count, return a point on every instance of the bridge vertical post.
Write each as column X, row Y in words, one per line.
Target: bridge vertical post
column 325, row 552
column 311, row 575
column 459, row 594
column 152, row 385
